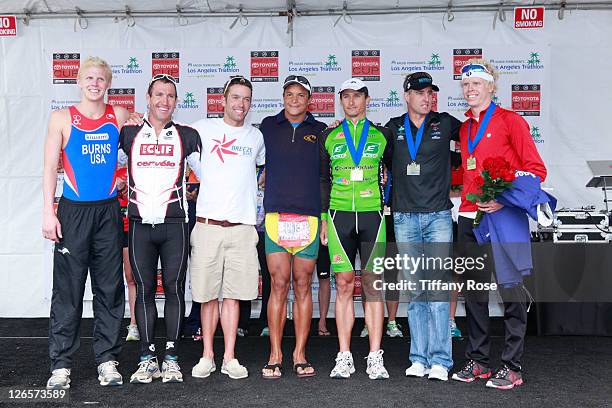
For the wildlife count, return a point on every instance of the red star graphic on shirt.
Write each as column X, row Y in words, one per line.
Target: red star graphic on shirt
column 222, row 146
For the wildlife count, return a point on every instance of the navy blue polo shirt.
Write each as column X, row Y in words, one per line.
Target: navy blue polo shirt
column 292, row 165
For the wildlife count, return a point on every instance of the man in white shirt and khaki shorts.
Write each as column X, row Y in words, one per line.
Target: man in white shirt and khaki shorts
column 224, row 261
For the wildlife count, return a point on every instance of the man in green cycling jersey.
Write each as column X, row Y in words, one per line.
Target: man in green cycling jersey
column 352, row 170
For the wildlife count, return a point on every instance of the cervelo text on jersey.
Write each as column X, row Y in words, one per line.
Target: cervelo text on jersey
column 90, row 156
column 156, row 166
column 337, row 164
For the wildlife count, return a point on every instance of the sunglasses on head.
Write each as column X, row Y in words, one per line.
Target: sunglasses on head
column 237, row 79
column 298, row 78
column 474, row 67
column 163, row 76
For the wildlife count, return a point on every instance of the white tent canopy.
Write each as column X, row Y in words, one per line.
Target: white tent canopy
column 578, row 94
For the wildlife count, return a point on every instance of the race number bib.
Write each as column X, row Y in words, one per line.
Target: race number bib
column 293, row 230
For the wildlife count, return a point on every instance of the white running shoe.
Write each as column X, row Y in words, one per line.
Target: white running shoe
column 171, row 372
column 148, row 370
column 376, row 366
column 344, row 366
column 204, row 368
column 133, row 334
column 234, row 369
column 417, row 370
column 438, row 373
column 59, row 380
column 108, row 374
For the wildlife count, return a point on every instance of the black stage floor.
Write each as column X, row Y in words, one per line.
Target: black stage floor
column 559, row 372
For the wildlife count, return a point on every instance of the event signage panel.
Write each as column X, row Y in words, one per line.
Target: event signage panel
column 66, row 68
column 125, row 97
column 214, row 102
column 366, row 64
column 322, row 102
column 528, row 17
column 461, row 56
column 166, row 63
column 264, row 66
column 526, row 99
column 8, row 26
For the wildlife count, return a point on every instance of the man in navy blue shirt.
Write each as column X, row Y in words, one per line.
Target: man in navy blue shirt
column 292, row 206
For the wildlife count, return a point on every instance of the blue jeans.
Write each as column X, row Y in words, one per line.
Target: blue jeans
column 430, row 336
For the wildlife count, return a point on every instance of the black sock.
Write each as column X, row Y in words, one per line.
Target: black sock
column 171, row 350
column 147, row 349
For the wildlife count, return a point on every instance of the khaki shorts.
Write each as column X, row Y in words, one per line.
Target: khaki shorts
column 224, row 262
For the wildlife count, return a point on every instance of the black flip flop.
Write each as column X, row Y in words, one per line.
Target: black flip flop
column 303, row 366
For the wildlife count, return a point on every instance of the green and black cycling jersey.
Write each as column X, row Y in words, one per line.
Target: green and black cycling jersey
column 338, row 191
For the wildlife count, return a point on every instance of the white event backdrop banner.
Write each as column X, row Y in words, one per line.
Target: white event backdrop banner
column 555, row 77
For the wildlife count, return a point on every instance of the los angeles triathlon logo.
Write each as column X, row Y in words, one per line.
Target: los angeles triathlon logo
column 461, row 56
column 166, row 63
column 188, row 102
column 66, row 68
column 432, row 62
column 131, row 67
column 308, row 67
column 125, row 97
column 322, row 102
column 229, row 65
column 264, row 66
column 365, row 64
column 536, row 135
column 214, row 102
column 526, row 99
column 515, row 65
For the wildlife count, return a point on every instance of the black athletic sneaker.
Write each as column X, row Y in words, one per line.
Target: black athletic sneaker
column 505, row 379
column 471, row 371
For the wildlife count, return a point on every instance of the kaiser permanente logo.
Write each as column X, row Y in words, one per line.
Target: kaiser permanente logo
column 306, row 67
column 433, row 63
column 189, row 102
column 202, row 69
column 132, row 67
column 532, row 62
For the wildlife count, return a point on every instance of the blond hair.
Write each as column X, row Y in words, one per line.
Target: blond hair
column 96, row 62
column 494, row 73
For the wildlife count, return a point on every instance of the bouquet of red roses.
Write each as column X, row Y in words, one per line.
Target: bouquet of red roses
column 496, row 177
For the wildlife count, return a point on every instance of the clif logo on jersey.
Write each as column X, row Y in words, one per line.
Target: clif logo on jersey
column 166, row 63
column 526, row 99
column 214, row 102
column 365, row 65
column 155, row 149
column 66, row 68
column 264, row 66
column 125, row 97
column 322, row 102
column 461, row 56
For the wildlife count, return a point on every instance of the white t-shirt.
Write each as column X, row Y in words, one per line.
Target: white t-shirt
column 228, row 186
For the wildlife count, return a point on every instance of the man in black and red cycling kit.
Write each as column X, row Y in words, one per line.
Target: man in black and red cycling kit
column 157, row 151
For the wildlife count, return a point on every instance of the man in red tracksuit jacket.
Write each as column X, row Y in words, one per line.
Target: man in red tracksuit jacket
column 491, row 131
